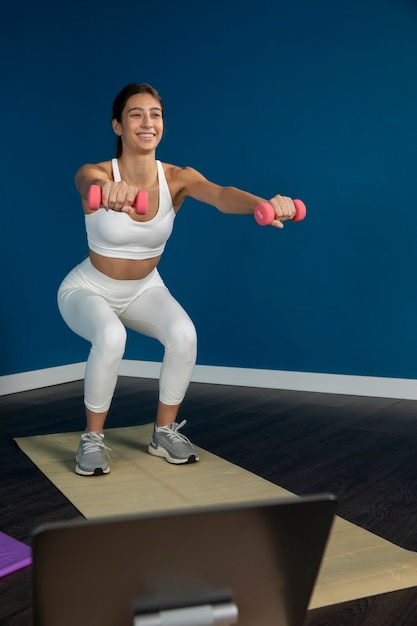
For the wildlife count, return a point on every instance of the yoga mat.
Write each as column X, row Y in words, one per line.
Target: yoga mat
column 356, row 563
column 13, row 554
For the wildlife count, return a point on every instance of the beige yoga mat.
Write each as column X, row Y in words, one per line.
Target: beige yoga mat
column 356, row 563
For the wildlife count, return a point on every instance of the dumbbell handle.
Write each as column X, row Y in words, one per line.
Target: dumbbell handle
column 94, row 200
column 265, row 214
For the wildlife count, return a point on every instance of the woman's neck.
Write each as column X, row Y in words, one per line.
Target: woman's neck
column 138, row 169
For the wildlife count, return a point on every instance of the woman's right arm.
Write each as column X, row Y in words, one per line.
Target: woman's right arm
column 90, row 174
column 115, row 196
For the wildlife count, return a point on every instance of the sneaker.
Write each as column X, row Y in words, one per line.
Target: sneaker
column 92, row 455
column 172, row 445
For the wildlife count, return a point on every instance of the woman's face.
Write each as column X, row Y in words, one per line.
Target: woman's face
column 142, row 124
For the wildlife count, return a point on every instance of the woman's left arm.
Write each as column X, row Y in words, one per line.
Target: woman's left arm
column 231, row 199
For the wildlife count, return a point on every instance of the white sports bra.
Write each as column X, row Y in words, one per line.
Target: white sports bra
column 116, row 235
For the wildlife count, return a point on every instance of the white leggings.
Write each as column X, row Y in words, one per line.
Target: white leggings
column 98, row 308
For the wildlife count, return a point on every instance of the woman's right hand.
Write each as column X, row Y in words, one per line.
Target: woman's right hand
column 119, row 197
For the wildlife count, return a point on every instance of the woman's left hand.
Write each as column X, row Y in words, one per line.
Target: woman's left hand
column 284, row 210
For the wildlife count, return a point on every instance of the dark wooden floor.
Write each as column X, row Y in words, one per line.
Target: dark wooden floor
column 361, row 449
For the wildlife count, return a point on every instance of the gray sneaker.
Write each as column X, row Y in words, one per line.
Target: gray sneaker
column 172, row 445
column 92, row 455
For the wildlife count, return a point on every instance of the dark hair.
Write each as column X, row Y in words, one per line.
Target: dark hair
column 121, row 99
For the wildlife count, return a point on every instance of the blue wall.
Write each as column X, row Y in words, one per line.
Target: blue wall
column 316, row 100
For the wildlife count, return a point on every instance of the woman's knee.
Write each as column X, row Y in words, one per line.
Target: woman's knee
column 183, row 337
column 110, row 340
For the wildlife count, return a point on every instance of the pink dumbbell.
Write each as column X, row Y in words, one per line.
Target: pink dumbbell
column 94, row 200
column 265, row 214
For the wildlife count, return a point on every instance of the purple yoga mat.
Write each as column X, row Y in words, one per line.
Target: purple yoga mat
column 13, row 554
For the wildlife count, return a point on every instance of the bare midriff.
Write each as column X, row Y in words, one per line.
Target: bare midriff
column 123, row 269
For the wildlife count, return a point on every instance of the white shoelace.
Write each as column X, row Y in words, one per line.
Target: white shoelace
column 172, row 432
column 95, row 443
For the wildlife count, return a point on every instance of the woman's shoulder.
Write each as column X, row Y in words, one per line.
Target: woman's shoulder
column 176, row 179
column 176, row 173
column 104, row 167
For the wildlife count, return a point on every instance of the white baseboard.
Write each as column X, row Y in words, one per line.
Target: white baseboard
column 400, row 388
column 14, row 383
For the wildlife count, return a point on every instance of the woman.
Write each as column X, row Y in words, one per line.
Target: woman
column 118, row 286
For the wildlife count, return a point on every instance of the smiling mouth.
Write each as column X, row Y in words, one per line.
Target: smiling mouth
column 146, row 135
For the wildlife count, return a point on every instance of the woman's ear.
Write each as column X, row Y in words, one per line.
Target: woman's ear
column 117, row 127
